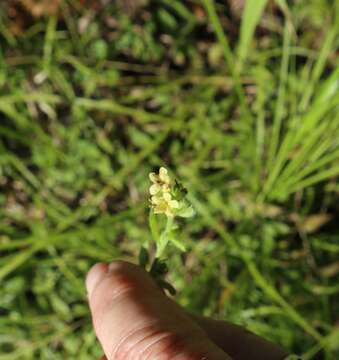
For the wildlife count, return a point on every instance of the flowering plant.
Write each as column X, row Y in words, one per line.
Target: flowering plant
column 168, row 198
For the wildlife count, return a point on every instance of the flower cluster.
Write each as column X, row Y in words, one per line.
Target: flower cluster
column 169, row 197
column 161, row 191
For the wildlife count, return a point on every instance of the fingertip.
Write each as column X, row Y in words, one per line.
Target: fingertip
column 132, row 316
column 119, row 266
column 94, row 276
column 117, row 276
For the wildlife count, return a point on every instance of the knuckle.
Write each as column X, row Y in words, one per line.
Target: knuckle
column 148, row 343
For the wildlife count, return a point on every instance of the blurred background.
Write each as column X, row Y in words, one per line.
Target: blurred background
column 238, row 98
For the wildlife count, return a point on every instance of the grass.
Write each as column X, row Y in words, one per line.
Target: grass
column 244, row 109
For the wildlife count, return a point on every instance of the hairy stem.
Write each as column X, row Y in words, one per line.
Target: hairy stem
column 163, row 240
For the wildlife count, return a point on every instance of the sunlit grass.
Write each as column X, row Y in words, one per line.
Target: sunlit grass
column 244, row 110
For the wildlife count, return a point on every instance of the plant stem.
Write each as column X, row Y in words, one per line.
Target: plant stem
column 163, row 240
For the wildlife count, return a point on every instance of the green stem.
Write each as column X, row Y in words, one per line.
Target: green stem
column 163, row 240
column 153, row 224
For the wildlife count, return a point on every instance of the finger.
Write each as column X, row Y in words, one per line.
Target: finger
column 238, row 342
column 133, row 318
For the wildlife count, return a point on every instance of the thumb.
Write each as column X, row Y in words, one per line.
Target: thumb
column 134, row 320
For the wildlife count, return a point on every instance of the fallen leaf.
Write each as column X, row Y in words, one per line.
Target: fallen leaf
column 313, row 223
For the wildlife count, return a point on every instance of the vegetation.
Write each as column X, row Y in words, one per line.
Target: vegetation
column 239, row 99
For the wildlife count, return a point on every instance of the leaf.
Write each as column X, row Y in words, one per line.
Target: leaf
column 159, row 268
column 330, row 270
column 314, row 222
column 60, row 307
column 186, row 212
column 250, row 19
column 177, row 243
column 167, row 19
column 40, row 8
column 131, row 7
column 143, row 257
column 167, row 286
column 138, row 137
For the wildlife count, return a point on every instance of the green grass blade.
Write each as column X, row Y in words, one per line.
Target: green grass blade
column 279, row 109
column 250, row 19
column 308, row 122
column 318, row 67
column 312, row 180
column 16, row 260
column 49, row 41
column 307, row 147
column 329, row 158
column 228, row 55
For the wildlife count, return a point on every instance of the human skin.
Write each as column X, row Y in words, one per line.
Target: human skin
column 134, row 320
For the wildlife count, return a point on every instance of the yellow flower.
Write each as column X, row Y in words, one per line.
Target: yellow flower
column 162, row 178
column 164, row 204
column 168, row 196
column 153, row 177
column 160, row 190
column 154, row 189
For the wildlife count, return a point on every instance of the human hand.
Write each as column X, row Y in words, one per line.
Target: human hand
column 133, row 319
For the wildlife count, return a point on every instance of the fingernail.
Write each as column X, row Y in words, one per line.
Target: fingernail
column 94, row 276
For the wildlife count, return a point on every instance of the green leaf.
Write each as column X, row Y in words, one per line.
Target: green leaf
column 143, row 257
column 159, row 268
column 60, row 306
column 179, row 191
column 167, row 19
column 167, row 286
column 186, row 212
column 250, row 19
column 177, row 243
